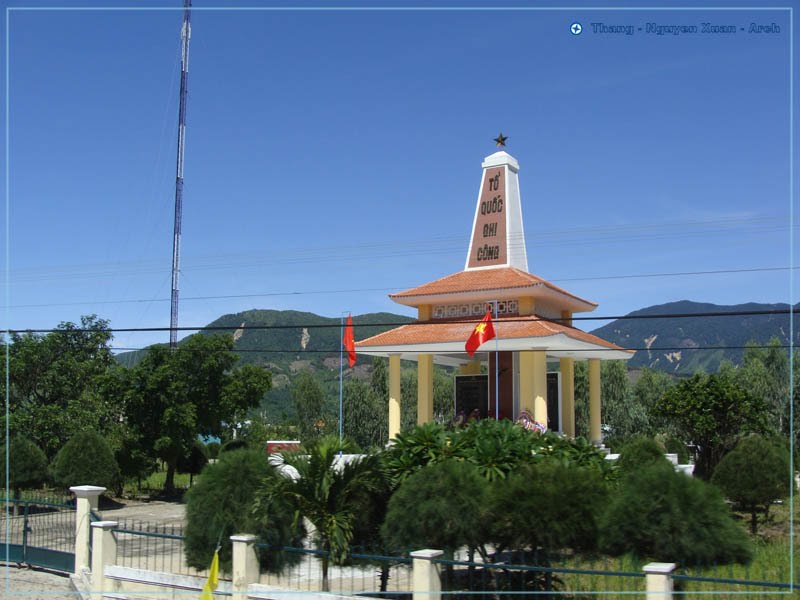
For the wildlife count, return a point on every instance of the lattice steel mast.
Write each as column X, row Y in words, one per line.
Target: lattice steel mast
column 186, row 34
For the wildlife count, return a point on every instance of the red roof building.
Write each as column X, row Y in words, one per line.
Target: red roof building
column 532, row 320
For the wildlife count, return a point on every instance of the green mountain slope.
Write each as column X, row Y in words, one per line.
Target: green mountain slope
column 681, row 345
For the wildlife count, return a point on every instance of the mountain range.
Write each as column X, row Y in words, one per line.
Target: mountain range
column 677, row 337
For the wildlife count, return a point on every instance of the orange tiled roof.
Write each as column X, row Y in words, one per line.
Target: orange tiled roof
column 429, row 332
column 483, row 280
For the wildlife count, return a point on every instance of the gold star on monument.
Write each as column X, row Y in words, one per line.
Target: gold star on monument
column 501, row 140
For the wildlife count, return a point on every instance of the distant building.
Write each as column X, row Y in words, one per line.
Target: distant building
column 532, row 320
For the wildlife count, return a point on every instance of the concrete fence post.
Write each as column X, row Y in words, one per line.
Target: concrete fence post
column 104, row 552
column 659, row 580
column 426, row 579
column 245, row 564
column 87, row 497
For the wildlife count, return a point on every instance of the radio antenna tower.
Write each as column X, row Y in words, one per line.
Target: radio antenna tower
column 186, row 34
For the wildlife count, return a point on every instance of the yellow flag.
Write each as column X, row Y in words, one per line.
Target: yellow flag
column 213, row 579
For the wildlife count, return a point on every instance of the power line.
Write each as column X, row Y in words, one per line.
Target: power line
column 390, row 289
column 736, row 313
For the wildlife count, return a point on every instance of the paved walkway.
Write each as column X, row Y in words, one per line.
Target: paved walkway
column 34, row 584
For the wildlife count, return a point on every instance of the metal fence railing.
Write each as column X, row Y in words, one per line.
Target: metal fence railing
column 475, row 580
column 363, row 574
column 152, row 547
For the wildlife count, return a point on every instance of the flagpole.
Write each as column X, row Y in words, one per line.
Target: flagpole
column 341, row 376
column 496, row 367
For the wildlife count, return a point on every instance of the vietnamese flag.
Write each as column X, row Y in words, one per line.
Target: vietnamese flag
column 483, row 332
column 349, row 342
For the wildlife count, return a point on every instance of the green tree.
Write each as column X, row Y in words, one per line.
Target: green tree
column 52, row 380
column 661, row 514
column 324, row 493
column 27, row 465
column 365, row 415
column 547, row 506
column 309, row 402
column 439, row 506
column 86, row 459
column 754, row 474
column 765, row 372
column 712, row 412
column 194, row 461
column 220, row 505
column 640, row 452
column 176, row 395
column 647, row 391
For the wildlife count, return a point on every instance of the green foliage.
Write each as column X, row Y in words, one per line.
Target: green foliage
column 52, row 383
column 496, row 448
column 640, row 452
column 547, row 506
column 754, row 474
column 27, row 464
column 232, row 445
column 712, row 412
column 213, row 449
column 663, row 515
column 193, row 462
column 673, row 445
column 366, row 415
column 647, row 391
column 324, row 493
column 309, row 403
column 620, row 411
column 439, row 506
column 172, row 396
column 220, row 505
column 135, row 463
column 86, row 459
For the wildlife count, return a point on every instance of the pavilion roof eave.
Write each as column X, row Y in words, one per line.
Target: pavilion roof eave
column 556, row 346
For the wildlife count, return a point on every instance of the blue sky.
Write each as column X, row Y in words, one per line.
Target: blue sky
column 336, row 154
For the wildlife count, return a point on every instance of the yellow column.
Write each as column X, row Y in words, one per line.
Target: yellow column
column 540, row 386
column 424, row 312
column 526, row 381
column 566, row 317
column 568, row 396
column 594, row 400
column 527, row 306
column 424, row 389
column 533, row 383
column 394, row 395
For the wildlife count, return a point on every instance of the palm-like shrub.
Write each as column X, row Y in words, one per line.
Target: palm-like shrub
column 86, row 459
column 220, row 504
column 323, row 492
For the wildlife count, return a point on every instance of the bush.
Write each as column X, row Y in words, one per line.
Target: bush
column 86, row 459
column 27, row 464
column 231, row 445
column 674, row 445
column 213, row 449
column 640, row 452
column 194, row 461
column 220, row 505
column 547, row 506
column 754, row 474
column 438, row 506
column 663, row 515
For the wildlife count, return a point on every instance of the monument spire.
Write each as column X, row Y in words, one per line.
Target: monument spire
column 498, row 235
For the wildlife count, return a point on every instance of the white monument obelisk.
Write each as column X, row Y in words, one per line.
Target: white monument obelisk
column 498, row 237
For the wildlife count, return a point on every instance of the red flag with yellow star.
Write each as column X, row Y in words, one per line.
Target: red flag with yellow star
column 483, row 332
